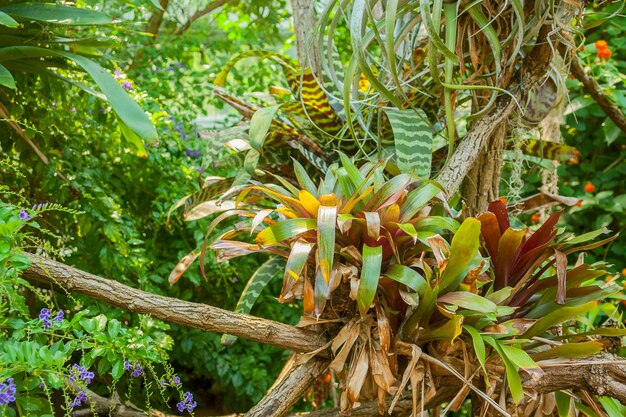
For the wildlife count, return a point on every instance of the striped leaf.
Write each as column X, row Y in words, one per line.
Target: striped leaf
column 257, row 282
column 284, row 230
column 413, row 139
column 549, row 150
column 298, row 257
column 207, row 193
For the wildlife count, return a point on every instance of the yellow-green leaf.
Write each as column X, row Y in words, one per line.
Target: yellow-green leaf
column 370, row 273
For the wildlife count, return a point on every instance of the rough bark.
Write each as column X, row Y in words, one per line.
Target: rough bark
column 595, row 91
column 195, row 315
column 200, row 13
column 602, row 374
column 284, row 394
column 482, row 183
column 304, row 26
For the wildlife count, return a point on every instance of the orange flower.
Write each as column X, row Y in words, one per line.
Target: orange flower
column 535, row 218
column 601, row 45
column 503, row 200
column 572, row 77
column 604, row 53
column 579, row 203
column 589, row 187
column 624, row 274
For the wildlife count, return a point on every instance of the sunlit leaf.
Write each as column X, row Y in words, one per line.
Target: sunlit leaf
column 326, row 220
column 284, row 230
column 557, row 317
column 462, row 255
column 407, row 276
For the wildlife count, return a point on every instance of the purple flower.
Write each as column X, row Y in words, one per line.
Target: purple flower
column 187, row 403
column 24, row 215
column 117, row 74
column 79, row 372
column 7, row 392
column 82, row 396
column 54, row 105
column 101, row 111
column 127, row 85
column 59, row 316
column 89, row 111
column 137, row 372
column 163, row 383
column 235, row 279
column 175, row 380
column 127, row 365
column 44, row 315
column 73, row 109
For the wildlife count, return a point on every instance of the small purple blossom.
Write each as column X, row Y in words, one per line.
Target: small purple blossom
column 54, row 105
column 7, row 392
column 175, row 380
column 163, row 383
column 73, row 109
column 117, row 74
column 127, row 365
column 59, row 316
column 79, row 372
column 101, row 111
column 89, row 111
column 24, row 215
column 137, row 371
column 187, row 403
column 127, row 85
column 44, row 315
column 82, row 396
column 193, row 153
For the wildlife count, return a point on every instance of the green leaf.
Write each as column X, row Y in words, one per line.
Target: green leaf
column 407, row 276
column 512, row 372
column 284, row 230
column 125, row 108
column 118, row 369
column 417, row 200
column 8, row 21
column 326, row 220
column 462, row 255
column 257, row 282
column 585, row 237
column 468, row 301
column 563, row 402
column 570, row 350
column 57, row 14
column 557, row 317
column 133, row 139
column 6, row 79
column 413, row 140
column 518, row 356
column 303, row 178
column 479, row 348
column 370, row 273
column 613, row 407
column 260, row 124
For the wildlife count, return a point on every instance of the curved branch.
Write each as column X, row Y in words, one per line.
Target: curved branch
column 595, row 91
column 195, row 315
column 199, row 13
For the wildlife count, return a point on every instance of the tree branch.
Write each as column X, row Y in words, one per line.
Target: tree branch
column 199, row 13
column 603, row 374
column 154, row 23
column 195, row 315
column 591, row 86
column 534, row 67
column 284, row 394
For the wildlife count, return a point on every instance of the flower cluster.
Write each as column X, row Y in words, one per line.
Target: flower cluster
column 24, row 215
column 137, row 371
column 44, row 315
column 7, row 392
column 193, row 153
column 78, row 401
column 603, row 49
column 79, row 372
column 187, row 403
column 173, row 382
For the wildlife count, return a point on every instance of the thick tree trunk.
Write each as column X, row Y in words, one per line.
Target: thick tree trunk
column 482, row 183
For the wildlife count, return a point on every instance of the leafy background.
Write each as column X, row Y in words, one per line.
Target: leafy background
column 123, row 231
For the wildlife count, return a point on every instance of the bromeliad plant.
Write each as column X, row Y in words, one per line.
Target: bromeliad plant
column 383, row 263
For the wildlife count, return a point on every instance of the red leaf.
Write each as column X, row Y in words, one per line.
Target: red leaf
column 499, row 209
